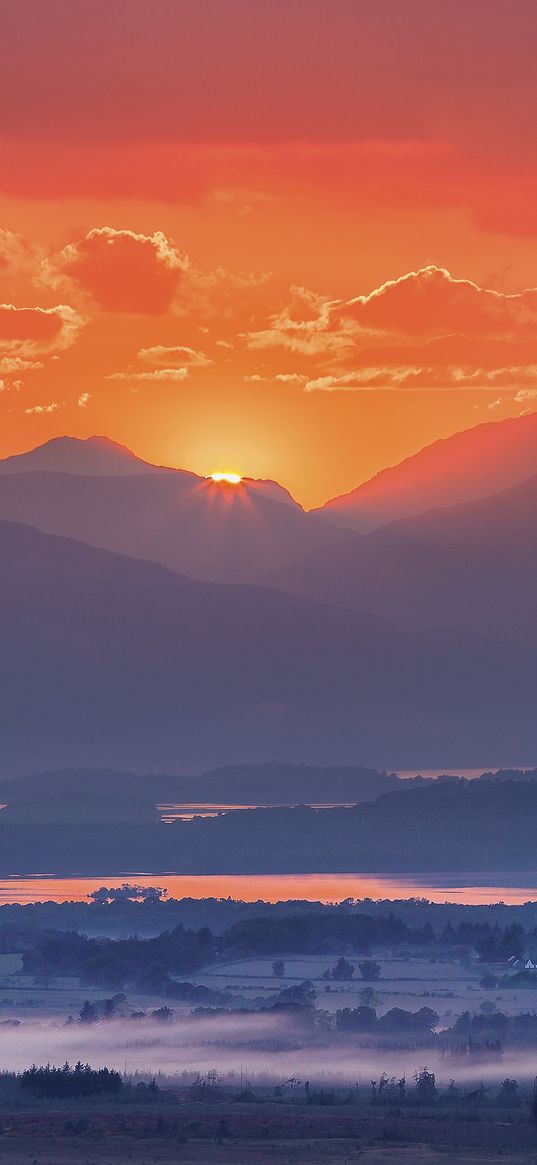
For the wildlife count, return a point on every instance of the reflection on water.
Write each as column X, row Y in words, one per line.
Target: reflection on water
column 469, row 889
column 190, row 809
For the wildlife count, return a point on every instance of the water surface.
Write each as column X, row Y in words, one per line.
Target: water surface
column 470, row 889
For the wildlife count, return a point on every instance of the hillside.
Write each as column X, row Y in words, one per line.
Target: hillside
column 470, row 567
column 271, row 783
column 469, row 465
column 74, row 455
column 109, row 662
column 227, row 533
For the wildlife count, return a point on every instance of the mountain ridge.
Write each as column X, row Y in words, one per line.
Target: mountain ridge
column 469, row 566
column 118, row 663
column 465, row 466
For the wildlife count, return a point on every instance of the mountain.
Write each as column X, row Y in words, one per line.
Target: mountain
column 111, row 662
column 469, row 465
column 471, row 567
column 100, row 493
column 73, row 455
column 271, row 783
column 99, row 456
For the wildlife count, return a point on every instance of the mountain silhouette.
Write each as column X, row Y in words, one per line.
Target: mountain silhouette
column 470, row 567
column 102, row 457
column 101, row 493
column 75, row 455
column 112, row 662
column 469, row 465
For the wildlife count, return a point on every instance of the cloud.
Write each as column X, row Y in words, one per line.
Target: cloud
column 423, row 330
column 158, row 374
column 83, row 399
column 291, row 377
column 526, row 394
column 431, row 302
column 304, row 326
column 169, row 363
column 162, row 357
column 15, row 252
column 448, row 379
column 298, row 378
column 38, row 409
column 120, row 270
column 19, row 364
column 25, row 331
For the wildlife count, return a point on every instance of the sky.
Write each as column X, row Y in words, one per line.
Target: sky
column 293, row 239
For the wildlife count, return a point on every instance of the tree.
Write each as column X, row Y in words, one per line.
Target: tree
column 278, row 968
column 426, row 1090
column 533, row 1104
column 360, row 1019
column 369, row 997
column 88, row 1012
column 509, row 1093
column 369, row 969
column 164, row 1014
column 343, row 969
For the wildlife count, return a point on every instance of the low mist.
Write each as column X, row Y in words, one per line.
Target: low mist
column 259, row 1048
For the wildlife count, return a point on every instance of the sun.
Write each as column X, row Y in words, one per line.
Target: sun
column 229, row 478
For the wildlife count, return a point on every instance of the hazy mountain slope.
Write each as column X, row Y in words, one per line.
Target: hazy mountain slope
column 74, row 455
column 108, row 662
column 101, row 457
column 472, row 567
column 472, row 464
column 271, row 783
column 209, row 530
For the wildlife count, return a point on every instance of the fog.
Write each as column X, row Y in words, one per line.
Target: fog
column 259, row 1048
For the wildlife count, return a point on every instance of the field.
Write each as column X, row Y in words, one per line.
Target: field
column 405, row 982
column 285, row 1135
column 312, row 1153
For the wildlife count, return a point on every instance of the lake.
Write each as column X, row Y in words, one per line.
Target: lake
column 466, row 888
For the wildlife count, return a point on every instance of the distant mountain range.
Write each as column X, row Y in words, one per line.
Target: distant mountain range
column 471, row 567
column 469, row 465
column 112, row 661
column 271, row 783
column 413, row 645
column 100, row 493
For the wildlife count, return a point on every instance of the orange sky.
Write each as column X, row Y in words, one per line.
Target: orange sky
column 291, row 239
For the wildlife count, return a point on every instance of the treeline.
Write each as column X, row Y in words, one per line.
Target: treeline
column 152, row 964
column 396, row 1021
column 492, row 1029
column 317, row 932
column 64, row 1083
column 148, row 964
column 115, row 915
